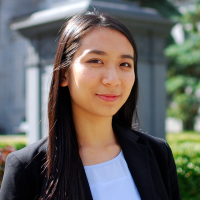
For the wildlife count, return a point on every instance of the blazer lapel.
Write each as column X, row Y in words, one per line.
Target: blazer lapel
column 137, row 158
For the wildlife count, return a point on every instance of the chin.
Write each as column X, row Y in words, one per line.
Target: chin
column 108, row 113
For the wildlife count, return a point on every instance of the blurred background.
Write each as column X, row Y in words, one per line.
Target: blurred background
column 167, row 33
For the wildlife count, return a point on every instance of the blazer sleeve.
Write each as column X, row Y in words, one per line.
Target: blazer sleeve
column 15, row 185
column 174, row 185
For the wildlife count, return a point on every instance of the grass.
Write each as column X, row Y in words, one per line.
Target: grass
column 178, row 138
column 12, row 139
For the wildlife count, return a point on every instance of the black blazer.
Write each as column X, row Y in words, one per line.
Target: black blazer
column 149, row 159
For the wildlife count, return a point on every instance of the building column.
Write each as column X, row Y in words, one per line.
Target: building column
column 32, row 94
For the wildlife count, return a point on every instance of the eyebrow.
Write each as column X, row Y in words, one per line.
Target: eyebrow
column 102, row 53
column 127, row 56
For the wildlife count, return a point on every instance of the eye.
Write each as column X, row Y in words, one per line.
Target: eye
column 95, row 61
column 125, row 64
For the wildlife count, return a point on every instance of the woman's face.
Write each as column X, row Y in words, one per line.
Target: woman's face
column 102, row 73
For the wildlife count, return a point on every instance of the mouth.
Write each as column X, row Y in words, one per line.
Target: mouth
column 108, row 97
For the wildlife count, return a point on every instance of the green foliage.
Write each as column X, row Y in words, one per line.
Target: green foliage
column 186, row 151
column 16, row 146
column 184, row 59
column 3, row 154
column 183, row 84
column 193, row 17
column 19, row 145
column 4, row 151
column 164, row 7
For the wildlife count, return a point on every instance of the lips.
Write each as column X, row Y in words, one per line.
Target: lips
column 108, row 97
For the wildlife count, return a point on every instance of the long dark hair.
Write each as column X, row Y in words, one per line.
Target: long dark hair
column 63, row 178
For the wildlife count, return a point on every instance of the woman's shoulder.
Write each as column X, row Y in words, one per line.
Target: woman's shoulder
column 32, row 152
column 156, row 145
column 149, row 139
column 126, row 133
column 23, row 175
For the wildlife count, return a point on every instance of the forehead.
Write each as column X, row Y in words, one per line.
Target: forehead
column 106, row 39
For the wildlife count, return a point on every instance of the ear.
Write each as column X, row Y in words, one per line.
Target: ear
column 64, row 81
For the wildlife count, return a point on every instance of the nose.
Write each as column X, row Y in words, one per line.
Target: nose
column 111, row 77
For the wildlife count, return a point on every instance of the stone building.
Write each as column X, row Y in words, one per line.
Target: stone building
column 41, row 31
column 12, row 71
column 13, row 50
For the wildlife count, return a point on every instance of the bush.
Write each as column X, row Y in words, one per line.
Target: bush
column 19, row 145
column 16, row 146
column 186, row 151
column 4, row 151
column 3, row 154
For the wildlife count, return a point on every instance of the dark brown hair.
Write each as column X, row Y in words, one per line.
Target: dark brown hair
column 63, row 161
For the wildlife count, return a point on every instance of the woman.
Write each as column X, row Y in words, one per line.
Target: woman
column 91, row 151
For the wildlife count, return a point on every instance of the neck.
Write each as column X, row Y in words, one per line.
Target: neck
column 93, row 131
column 96, row 138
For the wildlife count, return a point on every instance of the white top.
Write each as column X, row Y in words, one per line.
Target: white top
column 112, row 180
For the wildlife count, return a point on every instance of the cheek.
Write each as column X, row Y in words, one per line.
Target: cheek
column 82, row 77
column 129, row 82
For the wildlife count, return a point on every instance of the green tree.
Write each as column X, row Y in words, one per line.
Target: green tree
column 164, row 7
column 183, row 83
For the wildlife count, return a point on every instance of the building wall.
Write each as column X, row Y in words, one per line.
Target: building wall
column 13, row 50
column 12, row 55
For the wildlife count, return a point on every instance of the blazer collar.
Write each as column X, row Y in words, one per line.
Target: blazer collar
column 137, row 158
